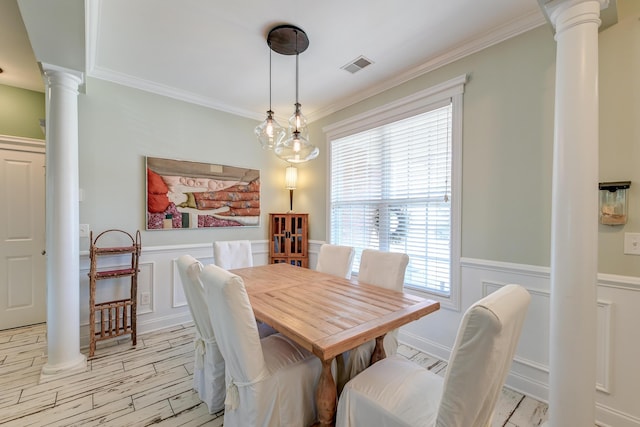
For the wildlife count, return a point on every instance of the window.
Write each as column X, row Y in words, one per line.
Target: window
column 394, row 184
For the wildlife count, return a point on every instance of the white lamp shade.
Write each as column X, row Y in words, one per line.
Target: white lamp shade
column 291, row 178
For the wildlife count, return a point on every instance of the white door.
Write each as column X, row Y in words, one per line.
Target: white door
column 22, row 239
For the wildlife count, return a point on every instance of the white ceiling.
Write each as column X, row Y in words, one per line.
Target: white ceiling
column 214, row 55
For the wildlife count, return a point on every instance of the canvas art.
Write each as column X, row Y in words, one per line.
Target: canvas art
column 183, row 195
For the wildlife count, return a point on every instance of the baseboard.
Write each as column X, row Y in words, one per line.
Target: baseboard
column 424, row 345
column 145, row 326
column 610, row 417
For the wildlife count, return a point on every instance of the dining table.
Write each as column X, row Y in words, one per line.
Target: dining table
column 328, row 315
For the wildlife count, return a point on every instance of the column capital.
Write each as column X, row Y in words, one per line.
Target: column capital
column 54, row 72
column 580, row 11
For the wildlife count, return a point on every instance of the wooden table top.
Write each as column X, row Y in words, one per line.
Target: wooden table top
column 327, row 314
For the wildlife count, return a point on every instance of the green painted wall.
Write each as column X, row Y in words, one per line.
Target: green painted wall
column 508, row 141
column 507, row 145
column 620, row 132
column 20, row 112
column 119, row 126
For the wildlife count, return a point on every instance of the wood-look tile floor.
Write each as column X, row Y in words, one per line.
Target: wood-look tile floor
column 149, row 384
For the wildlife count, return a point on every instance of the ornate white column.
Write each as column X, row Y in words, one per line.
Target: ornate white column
column 574, row 220
column 62, row 222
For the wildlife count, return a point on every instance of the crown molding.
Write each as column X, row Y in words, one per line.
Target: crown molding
column 499, row 34
column 171, row 92
column 527, row 22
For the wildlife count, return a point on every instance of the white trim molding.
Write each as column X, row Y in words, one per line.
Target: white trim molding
column 160, row 279
column 433, row 334
column 18, row 143
column 450, row 91
column 616, row 318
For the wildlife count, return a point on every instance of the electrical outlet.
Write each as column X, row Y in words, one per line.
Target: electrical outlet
column 84, row 230
column 145, row 298
column 632, row 243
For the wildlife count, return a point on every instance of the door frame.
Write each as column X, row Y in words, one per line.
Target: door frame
column 19, row 143
column 27, row 145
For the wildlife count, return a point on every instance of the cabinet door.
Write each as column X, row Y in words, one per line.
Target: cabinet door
column 297, row 226
column 279, row 233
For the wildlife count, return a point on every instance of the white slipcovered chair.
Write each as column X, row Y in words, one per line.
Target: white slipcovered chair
column 386, row 270
column 208, row 371
column 397, row 392
column 232, row 254
column 336, row 260
column 270, row 381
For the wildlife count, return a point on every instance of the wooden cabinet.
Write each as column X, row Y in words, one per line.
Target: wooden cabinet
column 288, row 239
column 117, row 317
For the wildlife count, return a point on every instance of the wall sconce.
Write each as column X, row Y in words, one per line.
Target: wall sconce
column 290, row 181
column 613, row 202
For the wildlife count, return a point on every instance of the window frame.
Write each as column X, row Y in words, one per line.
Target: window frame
column 409, row 106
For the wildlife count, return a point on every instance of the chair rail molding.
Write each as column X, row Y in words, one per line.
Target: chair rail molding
column 617, row 317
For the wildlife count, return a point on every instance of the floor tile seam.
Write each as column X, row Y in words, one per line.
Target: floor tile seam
column 513, row 411
column 26, row 412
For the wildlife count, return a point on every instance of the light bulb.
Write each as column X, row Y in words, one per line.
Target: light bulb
column 269, row 132
column 298, row 122
column 296, row 149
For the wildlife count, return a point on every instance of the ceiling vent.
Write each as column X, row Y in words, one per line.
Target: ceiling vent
column 357, row 64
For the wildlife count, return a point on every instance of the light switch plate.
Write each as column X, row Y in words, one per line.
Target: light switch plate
column 84, row 230
column 145, row 298
column 632, row 243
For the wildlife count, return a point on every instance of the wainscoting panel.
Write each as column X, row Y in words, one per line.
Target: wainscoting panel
column 617, row 378
column 161, row 299
column 618, row 317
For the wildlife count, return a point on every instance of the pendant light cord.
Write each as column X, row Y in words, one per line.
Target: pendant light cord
column 297, row 110
column 297, row 72
column 270, row 77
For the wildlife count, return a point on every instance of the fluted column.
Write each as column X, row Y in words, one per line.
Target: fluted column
column 574, row 218
column 62, row 222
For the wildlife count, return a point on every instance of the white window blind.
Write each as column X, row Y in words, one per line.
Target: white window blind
column 390, row 189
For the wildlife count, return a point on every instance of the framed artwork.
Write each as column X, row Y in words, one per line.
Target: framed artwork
column 184, row 195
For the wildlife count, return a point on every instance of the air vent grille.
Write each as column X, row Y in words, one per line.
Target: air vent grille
column 357, row 64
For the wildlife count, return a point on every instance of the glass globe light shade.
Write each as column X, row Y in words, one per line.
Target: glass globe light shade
column 296, row 149
column 269, row 132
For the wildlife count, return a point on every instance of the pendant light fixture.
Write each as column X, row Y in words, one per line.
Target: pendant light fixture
column 295, row 147
column 269, row 132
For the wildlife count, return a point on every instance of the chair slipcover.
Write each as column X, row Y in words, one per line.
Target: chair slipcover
column 336, row 260
column 208, row 371
column 397, row 392
column 270, row 381
column 232, row 254
column 386, row 270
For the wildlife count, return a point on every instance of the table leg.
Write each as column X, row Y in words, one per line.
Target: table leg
column 326, row 396
column 378, row 351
